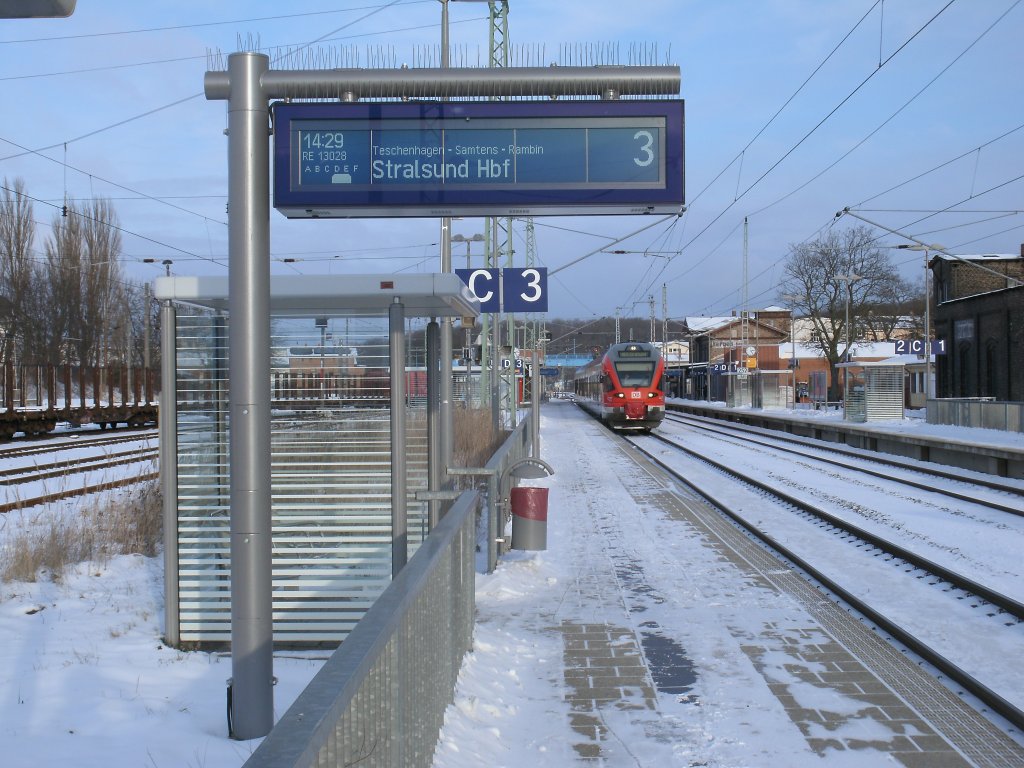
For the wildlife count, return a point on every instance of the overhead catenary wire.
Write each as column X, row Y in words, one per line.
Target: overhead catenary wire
column 375, row 10
column 779, row 111
column 197, row 25
column 821, row 122
column 634, row 233
column 205, row 56
column 975, row 150
column 940, row 166
column 66, row 166
column 120, row 229
column 891, row 117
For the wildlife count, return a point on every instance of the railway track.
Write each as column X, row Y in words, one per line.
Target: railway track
column 862, row 566
column 60, row 469
column 40, row 446
column 963, row 485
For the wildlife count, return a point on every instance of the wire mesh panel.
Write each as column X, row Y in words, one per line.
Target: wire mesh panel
column 330, row 473
column 379, row 701
column 883, row 392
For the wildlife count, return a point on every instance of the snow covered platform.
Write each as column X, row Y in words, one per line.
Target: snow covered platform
column 651, row 632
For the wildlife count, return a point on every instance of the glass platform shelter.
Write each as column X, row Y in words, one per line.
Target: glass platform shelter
column 331, row 482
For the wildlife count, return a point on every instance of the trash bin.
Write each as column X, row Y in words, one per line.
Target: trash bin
column 529, row 518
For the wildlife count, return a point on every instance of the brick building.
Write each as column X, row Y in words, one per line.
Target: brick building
column 979, row 314
column 720, row 344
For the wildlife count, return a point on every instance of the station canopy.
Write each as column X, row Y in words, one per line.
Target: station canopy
column 431, row 295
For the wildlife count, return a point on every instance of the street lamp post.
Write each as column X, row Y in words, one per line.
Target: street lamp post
column 792, row 299
column 849, row 279
column 792, row 353
column 477, row 238
column 927, row 313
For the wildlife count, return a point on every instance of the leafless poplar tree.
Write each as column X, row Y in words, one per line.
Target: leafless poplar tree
column 19, row 272
column 90, row 314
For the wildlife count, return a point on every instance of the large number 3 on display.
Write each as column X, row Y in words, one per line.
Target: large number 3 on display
column 648, row 138
column 532, row 284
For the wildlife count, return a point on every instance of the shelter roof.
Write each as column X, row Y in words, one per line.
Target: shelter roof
column 432, row 295
column 705, row 324
column 979, row 257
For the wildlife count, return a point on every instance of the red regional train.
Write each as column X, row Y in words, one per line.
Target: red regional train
column 623, row 388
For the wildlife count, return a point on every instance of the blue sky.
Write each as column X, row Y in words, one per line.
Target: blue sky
column 111, row 100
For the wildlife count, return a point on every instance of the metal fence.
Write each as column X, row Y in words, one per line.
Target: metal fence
column 380, row 699
column 976, row 412
column 499, row 483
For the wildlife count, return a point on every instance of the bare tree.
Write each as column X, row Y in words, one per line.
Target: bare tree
column 139, row 303
column 899, row 310
column 106, row 306
column 19, row 273
column 90, row 313
column 844, row 270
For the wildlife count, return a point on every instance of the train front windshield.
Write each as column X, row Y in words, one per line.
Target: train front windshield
column 635, row 374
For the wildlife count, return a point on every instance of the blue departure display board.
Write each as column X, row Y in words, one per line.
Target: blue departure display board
column 478, row 158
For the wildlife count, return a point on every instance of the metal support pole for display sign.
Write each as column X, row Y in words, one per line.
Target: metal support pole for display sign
column 535, row 401
column 445, row 437
column 435, row 460
column 928, row 391
column 495, row 380
column 792, row 354
column 445, row 392
column 848, row 280
column 169, row 467
column 399, row 517
column 249, row 85
column 252, row 693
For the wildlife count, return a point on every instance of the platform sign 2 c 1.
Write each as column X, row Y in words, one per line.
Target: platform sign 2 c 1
column 515, row 289
column 916, row 346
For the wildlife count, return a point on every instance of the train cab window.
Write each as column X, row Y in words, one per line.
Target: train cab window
column 606, row 382
column 635, row 374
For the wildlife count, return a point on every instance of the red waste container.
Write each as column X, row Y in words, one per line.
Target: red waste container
column 529, row 518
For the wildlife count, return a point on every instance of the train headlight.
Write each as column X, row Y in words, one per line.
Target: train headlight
column 620, row 394
column 652, row 394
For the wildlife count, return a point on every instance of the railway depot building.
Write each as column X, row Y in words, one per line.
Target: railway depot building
column 979, row 314
column 779, row 342
column 719, row 347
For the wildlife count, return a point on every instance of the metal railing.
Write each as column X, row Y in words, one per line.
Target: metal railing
column 516, row 447
column 984, row 412
column 380, row 699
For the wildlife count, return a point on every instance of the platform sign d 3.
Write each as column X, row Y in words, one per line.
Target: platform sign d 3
column 513, row 289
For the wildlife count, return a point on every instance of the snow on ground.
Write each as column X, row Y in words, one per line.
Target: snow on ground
column 85, row 680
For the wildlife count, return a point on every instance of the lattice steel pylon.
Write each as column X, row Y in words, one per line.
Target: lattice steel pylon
column 499, row 234
column 498, row 40
column 535, row 326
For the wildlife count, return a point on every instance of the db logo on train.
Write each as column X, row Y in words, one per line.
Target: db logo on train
column 635, row 394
